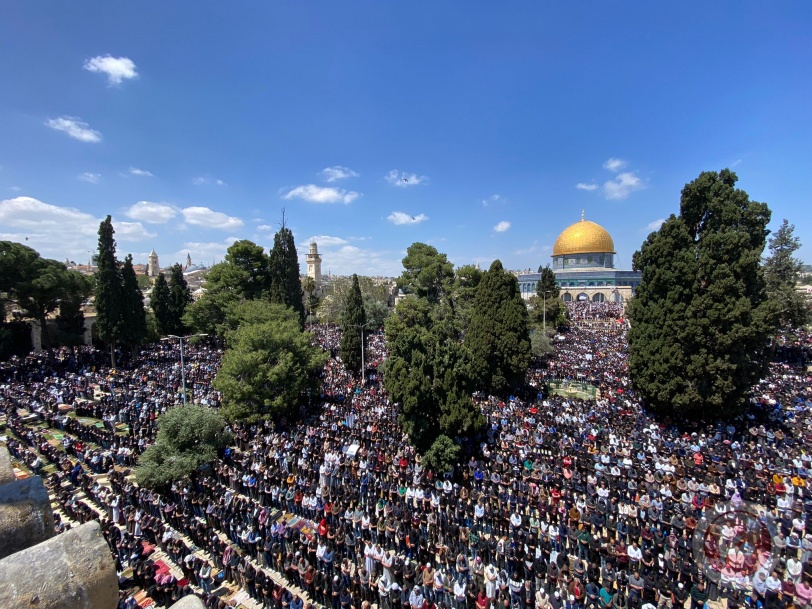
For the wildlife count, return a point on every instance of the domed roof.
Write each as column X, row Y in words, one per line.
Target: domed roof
column 583, row 237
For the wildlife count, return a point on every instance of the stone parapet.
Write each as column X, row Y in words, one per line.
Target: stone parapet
column 26, row 518
column 6, row 471
column 71, row 571
column 189, row 602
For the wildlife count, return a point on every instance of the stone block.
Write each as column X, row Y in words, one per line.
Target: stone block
column 6, row 471
column 189, row 602
column 71, row 571
column 26, row 518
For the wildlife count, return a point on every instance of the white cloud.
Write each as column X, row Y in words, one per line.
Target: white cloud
column 614, row 164
column 203, row 216
column 349, row 259
column 587, row 187
column 202, row 252
column 492, row 199
column 15, row 189
column 54, row 231
column 402, row 179
column 324, row 241
column 502, row 226
column 655, row 225
column 337, row 172
column 399, row 218
column 265, row 227
column 321, row 194
column 140, row 172
column 92, row 178
column 527, row 250
column 622, row 185
column 206, row 180
column 76, row 128
column 153, row 213
column 131, row 231
column 117, row 69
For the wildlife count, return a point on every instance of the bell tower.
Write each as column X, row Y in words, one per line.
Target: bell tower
column 314, row 264
column 152, row 267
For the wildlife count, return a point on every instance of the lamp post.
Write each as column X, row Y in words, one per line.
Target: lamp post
column 363, row 364
column 182, row 365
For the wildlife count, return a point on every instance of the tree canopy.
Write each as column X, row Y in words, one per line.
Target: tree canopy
column 498, row 336
column 39, row 286
column 426, row 272
column 270, row 368
column 188, row 437
column 244, row 275
column 353, row 327
column 375, row 296
column 283, row 265
column 134, row 326
column 428, row 372
column 782, row 271
column 180, row 297
column 109, row 301
column 700, row 319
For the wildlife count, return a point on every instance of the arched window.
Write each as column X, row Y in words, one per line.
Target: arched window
column 582, row 297
column 599, row 297
column 567, row 297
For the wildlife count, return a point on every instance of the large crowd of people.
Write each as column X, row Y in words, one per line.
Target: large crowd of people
column 567, row 503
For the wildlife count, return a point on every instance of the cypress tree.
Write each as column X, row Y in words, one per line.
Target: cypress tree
column 352, row 327
column 179, row 298
column 134, row 315
column 109, row 298
column 159, row 302
column 700, row 319
column 497, row 339
column 283, row 264
column 782, row 271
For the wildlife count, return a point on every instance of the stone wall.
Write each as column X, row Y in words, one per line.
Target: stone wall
column 39, row 570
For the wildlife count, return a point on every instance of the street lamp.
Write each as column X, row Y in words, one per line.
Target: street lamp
column 363, row 365
column 182, row 365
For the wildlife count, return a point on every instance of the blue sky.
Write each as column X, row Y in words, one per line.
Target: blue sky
column 467, row 125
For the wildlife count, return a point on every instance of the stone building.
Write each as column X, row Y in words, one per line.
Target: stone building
column 584, row 267
column 314, row 264
column 153, row 268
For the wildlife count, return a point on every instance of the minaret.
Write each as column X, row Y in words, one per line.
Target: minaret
column 152, row 267
column 314, row 264
column 188, row 260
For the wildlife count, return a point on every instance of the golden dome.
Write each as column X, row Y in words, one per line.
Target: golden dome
column 583, row 237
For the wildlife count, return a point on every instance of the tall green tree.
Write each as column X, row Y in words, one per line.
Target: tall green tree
column 353, row 328
column 242, row 276
column 375, row 295
column 428, row 372
column 109, row 300
column 40, row 286
column 700, row 319
column 134, row 314
column 180, row 297
column 782, row 272
column 159, row 303
column 283, row 263
column 270, row 369
column 71, row 318
column 426, row 272
column 188, row 437
column 40, row 295
column 498, row 337
column 546, row 307
column 466, row 284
